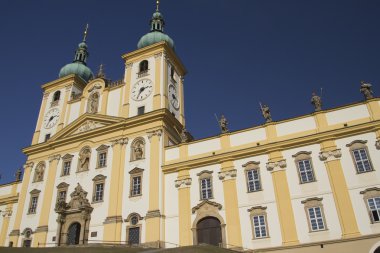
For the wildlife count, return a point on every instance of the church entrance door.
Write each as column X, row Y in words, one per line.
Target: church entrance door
column 209, row 231
column 73, row 234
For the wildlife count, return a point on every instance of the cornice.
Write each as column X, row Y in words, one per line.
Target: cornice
column 9, row 200
column 64, row 81
column 254, row 150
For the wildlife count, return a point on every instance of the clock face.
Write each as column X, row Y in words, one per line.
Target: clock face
column 51, row 118
column 173, row 97
column 142, row 89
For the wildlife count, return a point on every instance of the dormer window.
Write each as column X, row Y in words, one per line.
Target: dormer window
column 143, row 68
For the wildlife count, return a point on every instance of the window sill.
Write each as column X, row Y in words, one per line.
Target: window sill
column 255, row 191
column 135, row 196
column 135, row 160
column 206, row 199
column 65, row 175
column 301, row 183
column 80, row 171
column 261, row 238
column 364, row 172
column 97, row 202
column 102, row 167
column 316, row 231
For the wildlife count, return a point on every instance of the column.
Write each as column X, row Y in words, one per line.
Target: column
column 14, row 235
column 4, row 228
column 113, row 222
column 330, row 154
column 40, row 234
column 153, row 216
column 125, row 108
column 64, row 108
column 36, row 134
column 228, row 176
column 103, row 109
column 183, row 184
column 157, row 81
column 276, row 165
column 182, row 100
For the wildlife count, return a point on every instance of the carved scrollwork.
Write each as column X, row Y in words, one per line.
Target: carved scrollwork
column 121, row 141
column 128, row 65
column 158, row 55
column 330, row 155
column 183, row 183
column 28, row 165
column 154, row 133
column 54, row 157
column 276, row 166
column 7, row 213
column 229, row 174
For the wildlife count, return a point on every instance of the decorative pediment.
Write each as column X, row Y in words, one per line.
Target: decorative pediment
column 207, row 205
column 62, row 185
column 35, row 192
column 99, row 178
column 85, row 123
column 67, row 157
column 102, row 147
column 78, row 202
column 136, row 170
column 251, row 164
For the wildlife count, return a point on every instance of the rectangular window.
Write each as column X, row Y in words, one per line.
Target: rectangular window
column 47, row 137
column 259, row 226
column 253, row 179
column 136, row 186
column 362, row 161
column 102, row 160
column 140, row 110
column 66, row 168
column 374, row 208
column 316, row 219
column 99, row 190
column 33, row 204
column 206, row 188
column 305, row 171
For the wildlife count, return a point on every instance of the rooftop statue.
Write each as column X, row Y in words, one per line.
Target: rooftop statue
column 366, row 89
column 223, row 123
column 266, row 113
column 316, row 101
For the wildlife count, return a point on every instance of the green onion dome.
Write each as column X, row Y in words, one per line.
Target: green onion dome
column 156, row 33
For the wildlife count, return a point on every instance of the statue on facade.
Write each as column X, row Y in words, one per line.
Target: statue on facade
column 223, row 123
column 18, row 175
column 184, row 136
column 316, row 101
column 93, row 103
column 84, row 159
column 266, row 113
column 39, row 174
column 366, row 90
column 138, row 151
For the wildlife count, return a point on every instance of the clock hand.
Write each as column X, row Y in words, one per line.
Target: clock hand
column 140, row 91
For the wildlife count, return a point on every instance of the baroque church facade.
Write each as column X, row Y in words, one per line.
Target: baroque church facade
column 112, row 162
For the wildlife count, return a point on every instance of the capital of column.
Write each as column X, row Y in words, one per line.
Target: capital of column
column 154, row 133
column 128, row 65
column 7, row 212
column 158, row 55
column 121, row 141
column 54, row 157
column 377, row 144
column 68, row 87
column 276, row 166
column 46, row 95
column 227, row 174
column 28, row 165
column 183, row 183
column 330, row 155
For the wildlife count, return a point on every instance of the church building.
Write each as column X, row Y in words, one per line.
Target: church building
column 112, row 162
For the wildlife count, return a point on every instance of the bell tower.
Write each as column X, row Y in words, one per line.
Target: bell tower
column 154, row 74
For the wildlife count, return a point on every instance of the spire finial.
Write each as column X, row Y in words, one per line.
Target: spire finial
column 101, row 72
column 157, row 5
column 85, row 33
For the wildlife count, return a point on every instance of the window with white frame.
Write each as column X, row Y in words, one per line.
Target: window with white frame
column 258, row 217
column 66, row 164
column 98, row 189
column 205, row 184
column 136, row 182
column 33, row 201
column 372, row 201
column 304, row 167
column 102, row 156
column 62, row 189
column 360, row 156
column 252, row 173
column 315, row 214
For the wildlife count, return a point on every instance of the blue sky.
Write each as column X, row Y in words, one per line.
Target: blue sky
column 237, row 52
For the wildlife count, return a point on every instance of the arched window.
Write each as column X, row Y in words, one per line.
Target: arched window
column 138, row 149
column 56, row 95
column 143, row 66
column 39, row 172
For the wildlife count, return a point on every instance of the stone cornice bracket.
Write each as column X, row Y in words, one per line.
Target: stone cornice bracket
column 154, row 133
column 158, row 55
column 276, row 166
column 377, row 144
column 128, row 65
column 121, row 141
column 228, row 174
column 183, row 183
column 54, row 157
column 28, row 165
column 330, row 155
